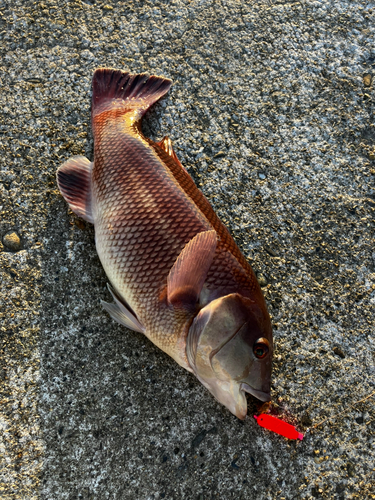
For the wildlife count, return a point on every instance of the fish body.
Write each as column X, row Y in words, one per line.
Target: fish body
column 176, row 274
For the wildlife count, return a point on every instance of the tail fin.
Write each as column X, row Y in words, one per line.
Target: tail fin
column 143, row 90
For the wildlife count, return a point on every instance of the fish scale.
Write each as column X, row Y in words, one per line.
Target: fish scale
column 230, row 257
column 141, row 181
column 176, row 273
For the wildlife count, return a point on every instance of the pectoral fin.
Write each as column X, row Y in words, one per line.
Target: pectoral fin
column 189, row 272
column 74, row 180
column 120, row 313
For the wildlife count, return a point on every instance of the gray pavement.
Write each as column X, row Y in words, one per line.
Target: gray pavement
column 272, row 113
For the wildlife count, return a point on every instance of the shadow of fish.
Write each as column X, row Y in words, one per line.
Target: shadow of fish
column 176, row 274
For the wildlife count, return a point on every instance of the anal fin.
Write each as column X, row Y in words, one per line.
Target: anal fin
column 74, row 181
column 120, row 313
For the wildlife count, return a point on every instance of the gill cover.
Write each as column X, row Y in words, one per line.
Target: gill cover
column 229, row 348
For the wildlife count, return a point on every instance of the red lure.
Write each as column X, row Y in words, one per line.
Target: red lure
column 276, row 425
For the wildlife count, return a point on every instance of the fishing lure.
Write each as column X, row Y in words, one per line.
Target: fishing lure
column 276, row 425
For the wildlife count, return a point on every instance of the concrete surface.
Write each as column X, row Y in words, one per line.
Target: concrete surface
column 272, row 112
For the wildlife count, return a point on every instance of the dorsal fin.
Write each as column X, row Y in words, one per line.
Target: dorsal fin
column 189, row 272
column 187, row 184
column 166, row 145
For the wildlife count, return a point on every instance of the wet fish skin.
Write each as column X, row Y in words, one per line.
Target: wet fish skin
column 176, row 274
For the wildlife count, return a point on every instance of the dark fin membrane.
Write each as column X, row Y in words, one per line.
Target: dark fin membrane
column 73, row 179
column 166, row 145
column 142, row 89
column 122, row 313
column 189, row 272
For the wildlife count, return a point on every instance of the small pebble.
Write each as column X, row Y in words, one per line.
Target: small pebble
column 350, row 467
column 337, row 350
column 220, row 154
column 306, row 420
column 262, row 280
column 371, row 155
column 80, row 224
column 261, row 176
column 340, row 488
column 367, row 80
column 270, row 250
column 234, row 465
column 12, row 241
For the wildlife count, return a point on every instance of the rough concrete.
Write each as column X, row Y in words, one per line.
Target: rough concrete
column 272, row 113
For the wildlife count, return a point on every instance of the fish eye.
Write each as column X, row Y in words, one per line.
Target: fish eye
column 261, row 348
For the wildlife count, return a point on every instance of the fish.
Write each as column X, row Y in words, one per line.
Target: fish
column 175, row 273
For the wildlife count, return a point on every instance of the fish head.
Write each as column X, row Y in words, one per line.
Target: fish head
column 229, row 348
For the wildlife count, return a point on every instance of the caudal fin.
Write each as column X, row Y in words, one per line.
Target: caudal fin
column 141, row 91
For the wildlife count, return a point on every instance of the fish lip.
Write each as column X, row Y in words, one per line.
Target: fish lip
column 263, row 396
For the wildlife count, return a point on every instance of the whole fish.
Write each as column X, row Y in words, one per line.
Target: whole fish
column 176, row 274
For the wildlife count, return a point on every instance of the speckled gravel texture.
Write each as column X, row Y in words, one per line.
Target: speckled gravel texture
column 272, row 112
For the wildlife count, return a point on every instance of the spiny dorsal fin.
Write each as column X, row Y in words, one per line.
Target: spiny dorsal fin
column 166, row 145
column 189, row 272
column 187, row 184
column 74, row 181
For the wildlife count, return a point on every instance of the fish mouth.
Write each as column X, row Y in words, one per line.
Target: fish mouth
column 263, row 396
